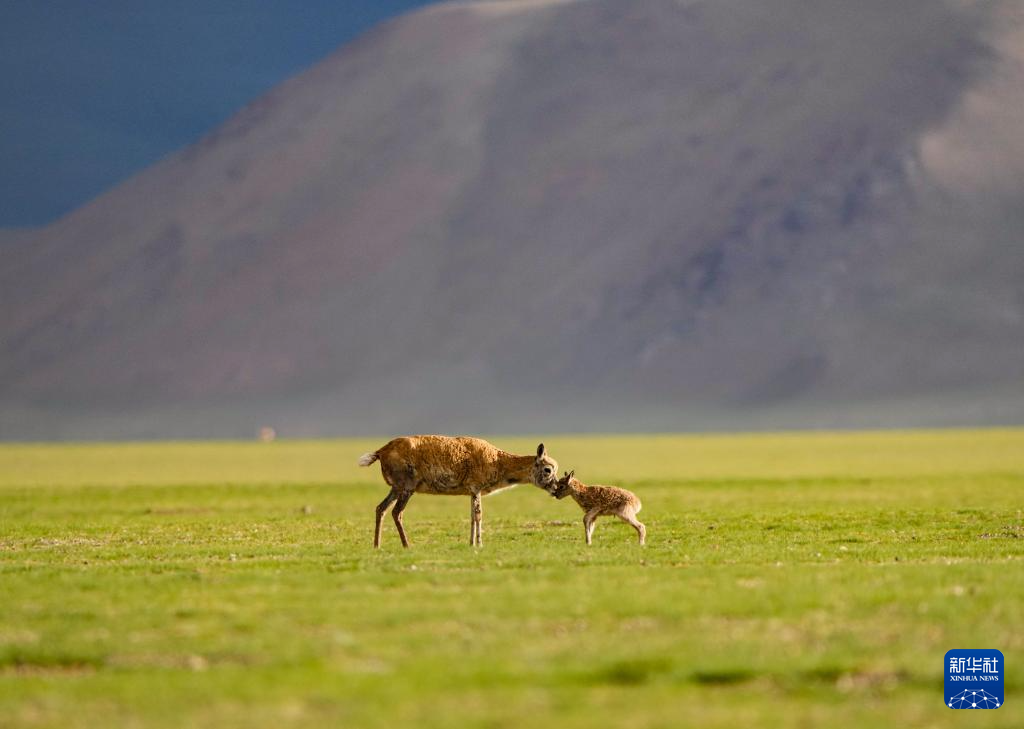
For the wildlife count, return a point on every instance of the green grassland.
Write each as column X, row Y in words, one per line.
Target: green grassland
column 793, row 580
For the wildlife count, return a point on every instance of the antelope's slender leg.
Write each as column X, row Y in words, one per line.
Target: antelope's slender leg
column 472, row 521
column 478, row 518
column 588, row 523
column 396, row 514
column 641, row 530
column 381, row 508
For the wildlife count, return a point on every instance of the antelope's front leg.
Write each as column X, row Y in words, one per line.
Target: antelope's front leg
column 472, row 521
column 476, row 515
column 588, row 523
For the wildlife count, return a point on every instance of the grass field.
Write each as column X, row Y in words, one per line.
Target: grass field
column 799, row 580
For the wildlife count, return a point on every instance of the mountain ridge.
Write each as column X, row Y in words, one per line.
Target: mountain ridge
column 524, row 215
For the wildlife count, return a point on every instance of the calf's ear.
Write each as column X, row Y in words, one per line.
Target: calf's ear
column 541, row 451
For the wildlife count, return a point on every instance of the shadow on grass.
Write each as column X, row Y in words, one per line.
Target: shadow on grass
column 24, row 663
column 844, row 679
column 631, row 672
column 722, row 677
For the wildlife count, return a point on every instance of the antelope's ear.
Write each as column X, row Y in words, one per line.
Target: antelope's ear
column 569, row 475
column 541, row 451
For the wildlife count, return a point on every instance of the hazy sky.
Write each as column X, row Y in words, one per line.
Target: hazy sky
column 91, row 92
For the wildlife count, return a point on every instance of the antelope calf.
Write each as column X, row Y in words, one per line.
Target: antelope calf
column 598, row 501
column 439, row 464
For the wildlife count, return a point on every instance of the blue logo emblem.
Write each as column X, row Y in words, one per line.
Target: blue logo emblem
column 974, row 679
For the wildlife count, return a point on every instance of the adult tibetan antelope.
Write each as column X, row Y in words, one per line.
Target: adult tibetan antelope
column 438, row 464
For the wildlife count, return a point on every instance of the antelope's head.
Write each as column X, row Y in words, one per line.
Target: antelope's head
column 545, row 469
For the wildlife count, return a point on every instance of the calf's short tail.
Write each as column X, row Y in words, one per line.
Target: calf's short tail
column 367, row 458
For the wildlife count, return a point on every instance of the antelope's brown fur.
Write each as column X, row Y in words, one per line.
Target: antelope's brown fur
column 599, row 501
column 439, row 464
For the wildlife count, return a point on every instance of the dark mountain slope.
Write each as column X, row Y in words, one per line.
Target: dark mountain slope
column 558, row 215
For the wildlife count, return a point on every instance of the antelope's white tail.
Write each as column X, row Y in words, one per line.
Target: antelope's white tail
column 367, row 458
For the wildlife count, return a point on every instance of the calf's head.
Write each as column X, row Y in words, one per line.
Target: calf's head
column 562, row 486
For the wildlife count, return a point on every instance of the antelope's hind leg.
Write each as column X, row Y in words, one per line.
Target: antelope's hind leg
column 396, row 514
column 381, row 508
column 630, row 518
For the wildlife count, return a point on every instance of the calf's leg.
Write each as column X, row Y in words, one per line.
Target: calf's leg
column 588, row 523
column 630, row 518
